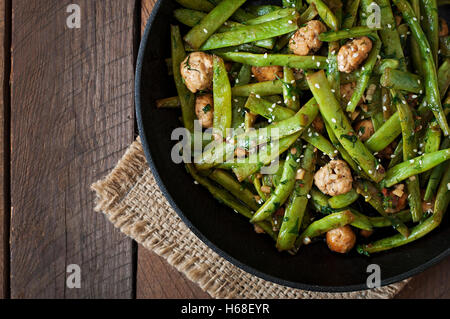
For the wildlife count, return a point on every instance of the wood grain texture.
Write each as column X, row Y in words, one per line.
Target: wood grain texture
column 4, row 147
column 71, row 120
column 155, row 277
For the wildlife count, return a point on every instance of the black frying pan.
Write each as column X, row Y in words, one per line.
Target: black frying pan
column 315, row 267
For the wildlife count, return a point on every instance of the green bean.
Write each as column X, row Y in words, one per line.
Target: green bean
column 260, row 88
column 403, row 32
column 444, row 77
column 187, row 99
column 234, row 187
column 229, row 200
column 333, row 114
column 372, row 196
column 263, row 9
column 258, row 160
column 170, row 102
column 444, row 45
column 222, row 97
column 420, row 230
column 257, row 184
column 343, row 200
column 289, row 60
column 432, row 139
column 325, row 13
column 414, row 46
column 271, row 16
column 192, row 18
column 333, row 74
column 272, row 112
column 295, row 124
column 290, row 95
column 202, row 5
column 430, row 25
column 320, row 202
column 320, row 142
column 284, row 188
column 397, row 156
column 252, row 33
column 399, row 80
column 389, row 35
column 366, row 73
column 432, row 95
column 409, row 145
column 296, row 205
column 404, row 216
column 360, row 221
column 324, row 225
column 436, row 175
column 378, row 70
column 414, row 166
column 200, row 33
column 290, row 3
column 343, row 34
column 350, row 13
column 387, row 133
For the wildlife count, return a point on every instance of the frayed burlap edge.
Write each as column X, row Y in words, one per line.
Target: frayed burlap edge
column 132, row 201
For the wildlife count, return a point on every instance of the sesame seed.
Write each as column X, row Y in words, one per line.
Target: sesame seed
column 290, row 22
column 318, row 64
column 265, row 55
column 333, row 90
column 317, row 85
column 308, row 196
column 258, row 96
column 389, row 25
column 333, row 120
column 195, row 182
column 204, row 30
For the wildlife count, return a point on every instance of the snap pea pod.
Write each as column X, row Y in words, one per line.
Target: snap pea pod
column 430, row 25
column 444, row 77
column 257, row 184
column 260, row 88
column 187, row 99
column 192, row 18
column 436, row 175
column 229, row 200
column 222, row 98
column 389, row 35
column 320, row 202
column 420, row 230
column 385, row 135
column 360, row 221
column 372, row 196
column 270, row 111
column 228, row 182
column 400, row 80
column 324, row 225
column 432, row 95
column 284, row 188
column 296, row 205
column 320, row 142
column 409, row 144
column 170, row 102
column 339, row 123
column 290, row 95
column 271, row 16
column 201, row 32
column 343, row 200
column 350, row 13
column 343, row 34
column 325, row 13
column 291, row 126
column 251, row 33
column 363, row 81
column 289, row 60
column 414, row 166
column 380, row 221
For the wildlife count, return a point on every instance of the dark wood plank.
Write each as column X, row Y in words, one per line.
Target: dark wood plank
column 155, row 277
column 71, row 120
column 4, row 146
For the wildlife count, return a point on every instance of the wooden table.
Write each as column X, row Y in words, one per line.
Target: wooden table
column 67, row 116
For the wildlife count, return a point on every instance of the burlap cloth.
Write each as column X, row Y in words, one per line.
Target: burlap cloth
column 130, row 198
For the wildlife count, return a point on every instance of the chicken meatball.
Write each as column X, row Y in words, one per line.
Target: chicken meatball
column 197, row 71
column 341, row 240
column 395, row 199
column 353, row 53
column 306, row 39
column 204, row 109
column 347, row 90
column 443, row 28
column 364, row 129
column 267, row 73
column 335, row 178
